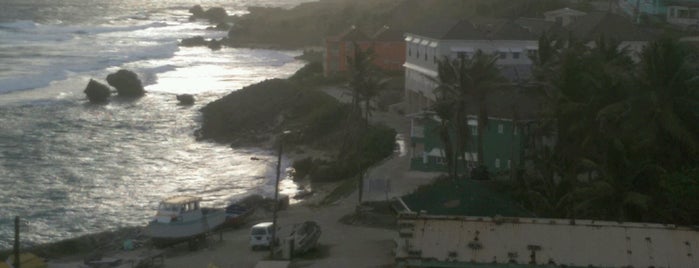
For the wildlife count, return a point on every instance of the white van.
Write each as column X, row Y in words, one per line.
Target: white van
column 261, row 235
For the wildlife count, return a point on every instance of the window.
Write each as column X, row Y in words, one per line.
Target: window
column 515, row 55
column 417, row 54
column 503, row 55
column 501, row 128
column 474, row 130
column 425, row 56
column 515, row 130
column 497, row 162
column 410, row 51
column 435, row 59
column 509, row 163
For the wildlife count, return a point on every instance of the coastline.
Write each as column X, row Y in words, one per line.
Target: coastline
column 375, row 242
column 345, row 241
column 110, row 241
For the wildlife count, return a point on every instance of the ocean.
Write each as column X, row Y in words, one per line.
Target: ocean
column 70, row 168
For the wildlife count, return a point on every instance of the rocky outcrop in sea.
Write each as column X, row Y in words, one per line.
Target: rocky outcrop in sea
column 97, row 92
column 126, row 83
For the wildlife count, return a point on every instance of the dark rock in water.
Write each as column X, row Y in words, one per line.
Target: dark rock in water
column 214, row 14
column 214, row 44
column 97, row 92
column 197, row 11
column 126, row 83
column 194, row 41
column 186, row 99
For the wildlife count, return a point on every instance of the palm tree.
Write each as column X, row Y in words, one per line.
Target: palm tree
column 467, row 81
column 668, row 104
column 366, row 80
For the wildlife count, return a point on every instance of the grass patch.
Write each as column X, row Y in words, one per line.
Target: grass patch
column 463, row 197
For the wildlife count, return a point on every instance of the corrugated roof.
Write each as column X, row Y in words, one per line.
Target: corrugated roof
column 565, row 10
column 535, row 25
column 594, row 25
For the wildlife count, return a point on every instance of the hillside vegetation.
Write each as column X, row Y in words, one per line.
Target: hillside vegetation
column 309, row 23
column 256, row 115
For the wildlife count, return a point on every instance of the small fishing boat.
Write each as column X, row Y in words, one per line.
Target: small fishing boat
column 180, row 218
column 305, row 236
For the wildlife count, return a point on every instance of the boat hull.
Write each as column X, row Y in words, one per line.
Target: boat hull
column 173, row 232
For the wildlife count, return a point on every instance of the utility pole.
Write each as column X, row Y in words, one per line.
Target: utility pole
column 273, row 244
column 16, row 262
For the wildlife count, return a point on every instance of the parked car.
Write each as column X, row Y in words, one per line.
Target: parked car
column 261, row 235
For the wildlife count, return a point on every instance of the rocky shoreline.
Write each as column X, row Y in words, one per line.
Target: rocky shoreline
column 312, row 139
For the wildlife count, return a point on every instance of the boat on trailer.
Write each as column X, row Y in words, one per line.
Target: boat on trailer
column 180, row 218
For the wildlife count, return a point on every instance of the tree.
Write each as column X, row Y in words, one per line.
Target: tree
column 466, row 81
column 366, row 80
column 624, row 124
column 366, row 83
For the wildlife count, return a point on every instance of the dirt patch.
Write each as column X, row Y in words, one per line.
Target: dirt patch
column 372, row 214
column 306, row 259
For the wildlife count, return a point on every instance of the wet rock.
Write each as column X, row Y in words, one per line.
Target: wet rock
column 197, row 11
column 185, row 99
column 126, row 83
column 97, row 92
column 194, row 42
column 214, row 14
column 214, row 44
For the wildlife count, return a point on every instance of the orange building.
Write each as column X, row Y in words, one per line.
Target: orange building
column 387, row 44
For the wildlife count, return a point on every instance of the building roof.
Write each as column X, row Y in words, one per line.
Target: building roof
column 476, row 29
column 596, row 24
column 351, row 34
column 387, row 33
column 535, row 25
column 564, row 11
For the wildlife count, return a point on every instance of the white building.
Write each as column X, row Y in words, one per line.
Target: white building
column 683, row 14
column 510, row 41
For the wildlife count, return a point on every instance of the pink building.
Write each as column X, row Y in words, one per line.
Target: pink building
column 387, row 44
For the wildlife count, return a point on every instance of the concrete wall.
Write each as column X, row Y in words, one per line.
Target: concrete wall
column 544, row 241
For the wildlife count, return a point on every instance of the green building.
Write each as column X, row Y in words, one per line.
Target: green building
column 507, row 140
